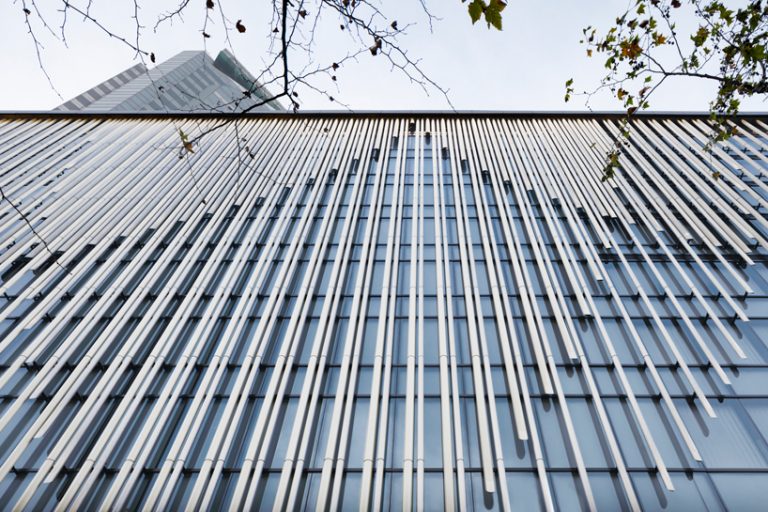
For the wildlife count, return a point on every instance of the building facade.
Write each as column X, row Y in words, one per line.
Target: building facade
column 188, row 82
column 382, row 311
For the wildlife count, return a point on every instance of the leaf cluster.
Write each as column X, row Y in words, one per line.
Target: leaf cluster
column 490, row 10
column 728, row 46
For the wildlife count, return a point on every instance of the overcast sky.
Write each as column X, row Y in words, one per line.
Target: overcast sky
column 523, row 67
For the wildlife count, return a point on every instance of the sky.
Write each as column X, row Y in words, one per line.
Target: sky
column 522, row 67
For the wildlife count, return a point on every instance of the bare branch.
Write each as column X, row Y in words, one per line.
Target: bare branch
column 169, row 16
column 26, row 220
column 104, row 29
column 38, row 46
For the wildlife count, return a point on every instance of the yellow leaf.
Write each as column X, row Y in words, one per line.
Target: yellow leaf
column 630, row 49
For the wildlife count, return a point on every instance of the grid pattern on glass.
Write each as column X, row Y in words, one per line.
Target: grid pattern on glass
column 368, row 312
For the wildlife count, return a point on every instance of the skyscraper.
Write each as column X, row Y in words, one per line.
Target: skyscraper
column 188, row 82
column 382, row 311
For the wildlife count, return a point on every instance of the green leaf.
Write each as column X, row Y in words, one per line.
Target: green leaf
column 475, row 9
column 493, row 16
column 700, row 36
column 726, row 14
column 185, row 142
column 609, row 171
column 757, row 52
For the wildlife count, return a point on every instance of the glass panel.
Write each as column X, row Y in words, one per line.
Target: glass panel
column 524, row 492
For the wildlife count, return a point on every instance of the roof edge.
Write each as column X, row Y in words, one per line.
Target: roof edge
column 45, row 114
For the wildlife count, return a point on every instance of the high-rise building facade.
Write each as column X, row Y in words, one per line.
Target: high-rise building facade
column 377, row 312
column 188, row 82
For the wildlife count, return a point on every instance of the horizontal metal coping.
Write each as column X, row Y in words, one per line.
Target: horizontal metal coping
column 405, row 114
